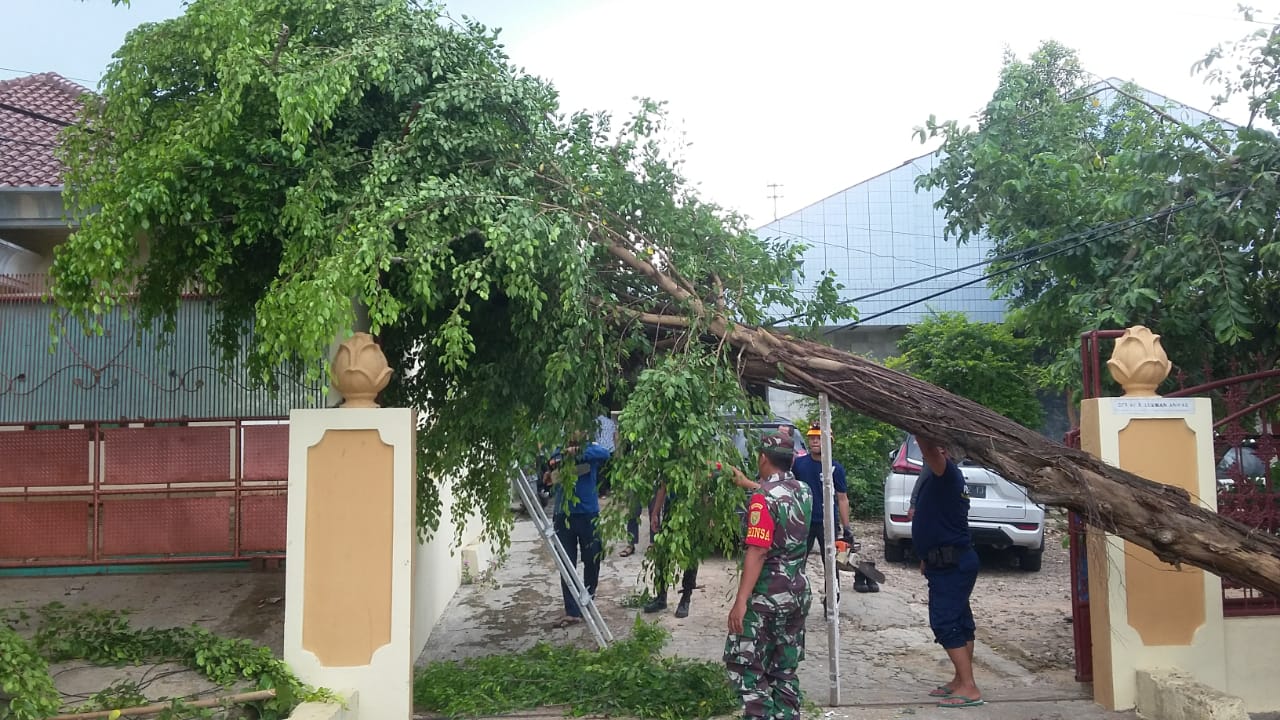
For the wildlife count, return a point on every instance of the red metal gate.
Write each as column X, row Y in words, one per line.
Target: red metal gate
column 103, row 493
column 1247, row 454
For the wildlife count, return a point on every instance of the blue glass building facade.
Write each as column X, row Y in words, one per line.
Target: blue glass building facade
column 882, row 233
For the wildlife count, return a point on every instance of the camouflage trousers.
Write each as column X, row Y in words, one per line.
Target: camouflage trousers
column 762, row 663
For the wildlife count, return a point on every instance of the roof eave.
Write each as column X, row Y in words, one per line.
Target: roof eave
column 32, row 206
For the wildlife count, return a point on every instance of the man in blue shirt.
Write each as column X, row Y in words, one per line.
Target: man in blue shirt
column 575, row 517
column 808, row 469
column 940, row 535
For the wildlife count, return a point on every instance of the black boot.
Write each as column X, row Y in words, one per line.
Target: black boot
column 658, row 604
column 864, row 584
column 861, row 583
column 682, row 610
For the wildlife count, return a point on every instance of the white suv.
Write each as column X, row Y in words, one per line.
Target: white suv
column 1000, row 513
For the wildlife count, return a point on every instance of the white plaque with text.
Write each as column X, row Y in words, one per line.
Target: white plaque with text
column 1153, row 406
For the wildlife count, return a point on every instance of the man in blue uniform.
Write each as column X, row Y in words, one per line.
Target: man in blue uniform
column 940, row 535
column 575, row 518
column 808, row 469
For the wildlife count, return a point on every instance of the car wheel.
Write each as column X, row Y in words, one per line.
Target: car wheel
column 1031, row 560
column 893, row 551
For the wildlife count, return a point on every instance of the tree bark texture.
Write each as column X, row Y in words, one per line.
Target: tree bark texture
column 1158, row 517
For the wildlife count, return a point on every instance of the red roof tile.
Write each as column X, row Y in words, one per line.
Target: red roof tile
column 26, row 141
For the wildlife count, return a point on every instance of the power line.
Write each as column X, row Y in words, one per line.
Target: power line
column 872, row 253
column 35, row 115
column 870, row 230
column 1106, row 231
column 1106, row 228
column 956, row 271
column 963, row 285
column 33, row 72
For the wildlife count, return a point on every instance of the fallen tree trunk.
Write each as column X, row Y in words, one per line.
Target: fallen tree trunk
column 1159, row 517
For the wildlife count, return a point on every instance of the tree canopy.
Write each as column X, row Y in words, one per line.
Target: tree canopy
column 1109, row 206
column 291, row 157
column 299, row 160
column 984, row 362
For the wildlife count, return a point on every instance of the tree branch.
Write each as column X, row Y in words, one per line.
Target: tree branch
column 647, row 269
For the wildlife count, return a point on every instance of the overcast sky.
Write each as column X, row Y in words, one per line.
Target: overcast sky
column 813, row 95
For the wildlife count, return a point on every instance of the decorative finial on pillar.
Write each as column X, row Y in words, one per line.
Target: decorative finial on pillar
column 360, row 371
column 1139, row 363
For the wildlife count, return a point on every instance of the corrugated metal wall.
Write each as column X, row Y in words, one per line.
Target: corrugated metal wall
column 124, row 374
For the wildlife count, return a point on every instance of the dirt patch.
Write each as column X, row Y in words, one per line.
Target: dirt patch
column 1024, row 616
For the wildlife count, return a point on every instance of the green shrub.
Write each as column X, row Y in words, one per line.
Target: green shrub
column 629, row 678
column 26, row 689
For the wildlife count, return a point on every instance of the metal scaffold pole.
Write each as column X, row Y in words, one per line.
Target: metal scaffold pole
column 829, row 556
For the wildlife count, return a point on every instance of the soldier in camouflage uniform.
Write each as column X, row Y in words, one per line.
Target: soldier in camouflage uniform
column 766, row 625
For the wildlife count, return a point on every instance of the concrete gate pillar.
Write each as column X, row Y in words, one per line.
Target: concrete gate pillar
column 1147, row 614
column 351, row 540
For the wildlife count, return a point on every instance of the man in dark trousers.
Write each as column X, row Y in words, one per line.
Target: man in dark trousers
column 662, row 564
column 575, row 517
column 808, row 469
column 940, row 535
column 766, row 624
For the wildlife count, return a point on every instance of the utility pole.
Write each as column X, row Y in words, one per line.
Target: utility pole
column 774, row 195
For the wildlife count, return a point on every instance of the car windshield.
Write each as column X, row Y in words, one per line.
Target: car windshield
column 1242, row 460
column 747, row 433
column 915, row 457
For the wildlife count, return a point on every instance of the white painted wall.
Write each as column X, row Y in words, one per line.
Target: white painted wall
column 1253, row 655
column 437, row 567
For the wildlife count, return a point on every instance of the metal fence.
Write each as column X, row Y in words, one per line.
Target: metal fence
column 55, row 371
column 101, row 493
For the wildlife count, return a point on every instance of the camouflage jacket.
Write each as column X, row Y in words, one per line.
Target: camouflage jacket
column 778, row 519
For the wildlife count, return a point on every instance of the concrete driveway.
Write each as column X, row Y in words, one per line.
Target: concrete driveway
column 888, row 661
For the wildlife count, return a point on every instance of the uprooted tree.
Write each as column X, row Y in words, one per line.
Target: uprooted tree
column 290, row 157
